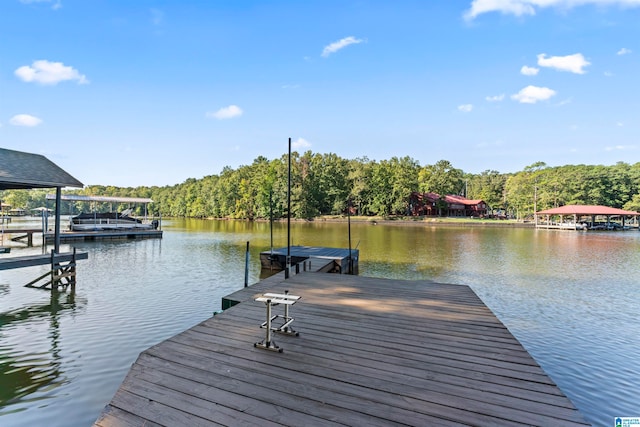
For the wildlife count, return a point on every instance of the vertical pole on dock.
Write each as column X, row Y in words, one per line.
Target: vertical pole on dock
column 73, row 271
column 349, row 226
column 246, row 267
column 271, row 226
column 54, row 272
column 44, row 226
column 56, row 243
column 288, row 266
column 2, row 219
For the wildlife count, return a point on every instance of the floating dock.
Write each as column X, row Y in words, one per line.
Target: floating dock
column 339, row 258
column 374, row 352
column 67, row 236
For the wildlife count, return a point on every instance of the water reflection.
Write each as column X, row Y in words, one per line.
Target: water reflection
column 571, row 298
column 25, row 371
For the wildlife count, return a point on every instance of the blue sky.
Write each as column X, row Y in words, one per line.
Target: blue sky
column 144, row 92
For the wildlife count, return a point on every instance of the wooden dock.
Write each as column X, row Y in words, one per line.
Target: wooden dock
column 22, row 234
column 7, row 263
column 371, row 352
column 67, row 236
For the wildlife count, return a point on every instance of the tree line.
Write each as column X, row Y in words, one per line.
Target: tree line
column 324, row 184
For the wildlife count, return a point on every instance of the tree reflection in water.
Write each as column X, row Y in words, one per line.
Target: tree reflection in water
column 24, row 372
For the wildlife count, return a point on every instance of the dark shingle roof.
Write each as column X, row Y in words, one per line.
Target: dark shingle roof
column 19, row 170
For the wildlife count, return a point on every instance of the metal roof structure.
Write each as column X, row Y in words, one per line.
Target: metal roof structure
column 20, row 170
column 453, row 198
column 107, row 199
column 586, row 210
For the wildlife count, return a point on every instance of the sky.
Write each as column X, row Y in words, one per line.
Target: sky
column 154, row 92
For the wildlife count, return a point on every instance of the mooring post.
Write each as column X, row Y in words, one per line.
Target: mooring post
column 54, row 283
column 73, row 270
column 246, row 267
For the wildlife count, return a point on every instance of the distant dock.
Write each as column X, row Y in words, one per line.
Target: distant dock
column 374, row 352
column 26, row 235
column 337, row 260
column 68, row 236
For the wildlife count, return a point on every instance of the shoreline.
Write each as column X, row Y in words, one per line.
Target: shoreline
column 403, row 221
column 431, row 222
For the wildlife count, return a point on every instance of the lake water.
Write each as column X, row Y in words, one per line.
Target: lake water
column 571, row 298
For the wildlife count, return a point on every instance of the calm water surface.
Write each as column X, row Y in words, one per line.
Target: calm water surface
column 572, row 299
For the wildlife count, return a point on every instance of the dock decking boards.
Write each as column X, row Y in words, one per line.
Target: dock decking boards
column 32, row 260
column 371, row 352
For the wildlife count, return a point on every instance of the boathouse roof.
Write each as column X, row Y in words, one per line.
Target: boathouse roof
column 20, row 170
column 453, row 198
column 585, row 210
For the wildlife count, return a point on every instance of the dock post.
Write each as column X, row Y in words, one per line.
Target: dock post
column 73, row 271
column 287, row 270
column 246, row 267
column 54, row 282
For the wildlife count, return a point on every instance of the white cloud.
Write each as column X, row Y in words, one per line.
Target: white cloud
column 620, row 148
column 226, row 113
column 608, row 74
column 529, row 7
column 529, row 71
column 57, row 4
column 300, row 143
column 495, row 98
column 24, row 120
column 340, row 44
column 465, row 108
column 49, row 73
column 623, row 51
column 533, row 94
column 514, row 7
column 293, row 86
column 572, row 63
column 619, row 124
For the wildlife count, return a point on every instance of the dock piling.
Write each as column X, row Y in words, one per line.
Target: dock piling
column 246, row 267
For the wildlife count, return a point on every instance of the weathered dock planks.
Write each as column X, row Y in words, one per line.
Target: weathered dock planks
column 371, row 351
column 7, row 263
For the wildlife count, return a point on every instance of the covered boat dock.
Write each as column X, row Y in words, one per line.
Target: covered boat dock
column 25, row 171
column 586, row 217
column 100, row 226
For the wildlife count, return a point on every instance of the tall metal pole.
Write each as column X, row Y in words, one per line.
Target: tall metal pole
column 246, row 267
column 288, row 266
column 271, row 219
column 349, row 222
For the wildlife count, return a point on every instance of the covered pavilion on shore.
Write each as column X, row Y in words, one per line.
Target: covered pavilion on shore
column 586, row 217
